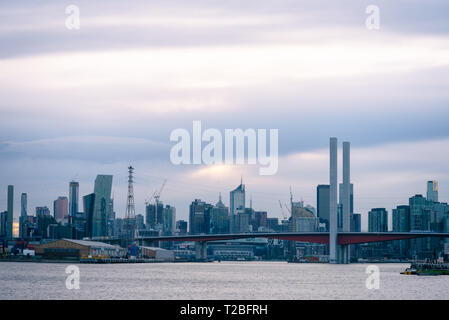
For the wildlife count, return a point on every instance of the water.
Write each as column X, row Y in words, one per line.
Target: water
column 225, row 280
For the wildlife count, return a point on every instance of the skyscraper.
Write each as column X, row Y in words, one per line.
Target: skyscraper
column 401, row 223
column 61, row 209
column 199, row 217
column 169, row 225
column 432, row 191
column 237, row 204
column 73, row 198
column 322, row 203
column 219, row 218
column 23, row 216
column 88, row 203
column 356, row 222
column 10, row 216
column 23, row 205
column 154, row 215
column 378, row 220
column 420, row 209
column 102, row 191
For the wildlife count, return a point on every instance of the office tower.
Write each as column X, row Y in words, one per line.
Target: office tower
column 420, row 220
column 439, row 215
column 322, row 203
column 3, row 223
column 378, row 220
column 111, row 210
column 401, row 219
column 273, row 224
column 243, row 221
column 420, row 209
column 356, row 225
column 199, row 217
column 23, row 205
column 237, row 204
column 10, row 210
column 219, row 218
column 73, row 198
column 154, row 215
column 140, row 222
column 432, row 191
column 333, row 200
column 88, row 203
column 169, row 225
column 181, row 227
column 260, row 220
column 102, row 191
column 23, row 219
column 401, row 223
column 61, row 209
column 43, row 223
column 118, row 228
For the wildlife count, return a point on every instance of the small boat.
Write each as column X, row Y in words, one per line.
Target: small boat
column 427, row 269
column 409, row 271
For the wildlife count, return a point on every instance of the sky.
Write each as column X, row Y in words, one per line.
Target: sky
column 75, row 103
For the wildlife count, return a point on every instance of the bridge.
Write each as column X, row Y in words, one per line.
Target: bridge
column 343, row 238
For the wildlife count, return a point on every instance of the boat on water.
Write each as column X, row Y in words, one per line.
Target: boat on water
column 427, row 269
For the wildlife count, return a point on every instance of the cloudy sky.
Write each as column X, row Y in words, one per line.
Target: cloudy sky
column 81, row 102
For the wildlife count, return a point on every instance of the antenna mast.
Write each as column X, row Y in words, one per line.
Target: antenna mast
column 129, row 225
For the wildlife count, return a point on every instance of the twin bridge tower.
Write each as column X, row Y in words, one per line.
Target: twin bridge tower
column 339, row 253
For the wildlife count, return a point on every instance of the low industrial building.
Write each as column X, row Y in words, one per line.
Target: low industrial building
column 69, row 248
column 157, row 253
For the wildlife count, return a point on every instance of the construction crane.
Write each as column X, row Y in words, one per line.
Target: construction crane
column 157, row 194
column 288, row 209
column 282, row 210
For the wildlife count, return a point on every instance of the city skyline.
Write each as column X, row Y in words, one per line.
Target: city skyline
column 365, row 215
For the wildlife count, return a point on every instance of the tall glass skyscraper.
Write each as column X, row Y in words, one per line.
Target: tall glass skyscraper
column 102, row 191
column 237, row 203
column 73, row 198
column 23, row 205
column 322, row 203
column 23, row 216
column 10, row 216
column 378, row 220
column 88, row 202
column 432, row 191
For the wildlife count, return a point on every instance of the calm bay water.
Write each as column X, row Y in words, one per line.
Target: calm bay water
column 225, row 280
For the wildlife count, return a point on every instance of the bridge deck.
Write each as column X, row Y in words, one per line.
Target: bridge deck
column 314, row 237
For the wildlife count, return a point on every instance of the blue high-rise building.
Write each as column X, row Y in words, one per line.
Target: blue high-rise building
column 378, row 220
column 73, row 198
column 322, row 204
column 10, row 216
column 102, row 191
